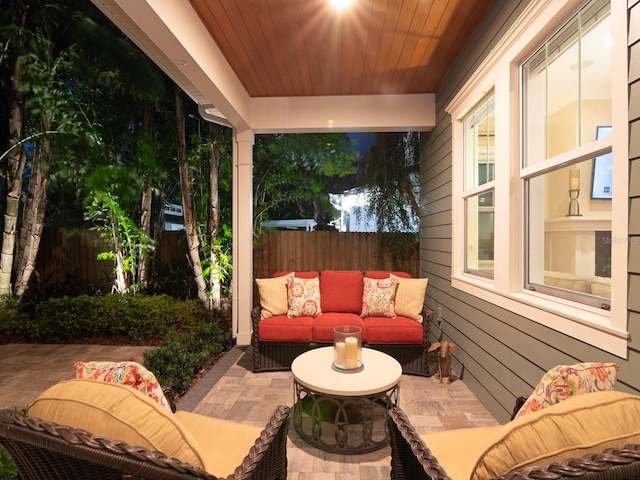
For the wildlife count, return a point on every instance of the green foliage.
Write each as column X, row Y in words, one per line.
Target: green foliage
column 291, row 172
column 391, row 175
column 181, row 357
column 128, row 242
column 209, row 157
column 131, row 319
column 8, row 470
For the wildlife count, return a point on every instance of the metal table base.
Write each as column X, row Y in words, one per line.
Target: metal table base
column 343, row 424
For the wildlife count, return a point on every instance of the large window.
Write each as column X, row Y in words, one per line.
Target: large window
column 566, row 88
column 540, row 172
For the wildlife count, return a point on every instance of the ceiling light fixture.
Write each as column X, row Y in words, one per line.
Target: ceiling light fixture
column 340, row 4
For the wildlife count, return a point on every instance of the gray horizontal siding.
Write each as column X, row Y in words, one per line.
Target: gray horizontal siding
column 503, row 354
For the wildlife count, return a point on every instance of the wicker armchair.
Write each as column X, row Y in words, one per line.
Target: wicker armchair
column 45, row 450
column 411, row 459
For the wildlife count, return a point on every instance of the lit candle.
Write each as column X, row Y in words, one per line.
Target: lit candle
column 574, row 180
column 338, row 354
column 351, row 352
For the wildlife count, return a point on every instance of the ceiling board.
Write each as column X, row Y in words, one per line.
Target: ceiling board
column 285, row 48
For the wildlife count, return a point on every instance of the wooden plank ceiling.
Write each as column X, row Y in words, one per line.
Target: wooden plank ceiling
column 306, row 48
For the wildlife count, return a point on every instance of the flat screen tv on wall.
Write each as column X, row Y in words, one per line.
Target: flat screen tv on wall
column 602, row 169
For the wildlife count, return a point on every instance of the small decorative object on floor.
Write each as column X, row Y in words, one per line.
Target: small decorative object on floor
column 347, row 348
column 444, row 358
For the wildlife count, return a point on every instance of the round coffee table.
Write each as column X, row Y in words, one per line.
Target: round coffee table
column 344, row 412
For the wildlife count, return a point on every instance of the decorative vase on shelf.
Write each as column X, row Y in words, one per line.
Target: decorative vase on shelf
column 347, row 347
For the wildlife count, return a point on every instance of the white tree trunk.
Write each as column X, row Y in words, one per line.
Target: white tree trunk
column 16, row 158
column 34, row 214
column 214, row 220
column 145, row 226
column 193, row 241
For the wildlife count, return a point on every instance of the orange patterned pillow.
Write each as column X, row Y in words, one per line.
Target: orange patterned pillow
column 379, row 297
column 303, row 295
column 126, row 373
column 564, row 381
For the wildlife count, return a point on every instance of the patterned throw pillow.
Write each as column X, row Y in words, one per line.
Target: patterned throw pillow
column 563, row 381
column 126, row 373
column 303, row 295
column 378, row 297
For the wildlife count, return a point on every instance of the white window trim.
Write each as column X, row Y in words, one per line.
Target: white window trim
column 606, row 330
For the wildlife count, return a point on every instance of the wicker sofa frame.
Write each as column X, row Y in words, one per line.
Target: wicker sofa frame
column 46, row 450
column 412, row 460
column 277, row 356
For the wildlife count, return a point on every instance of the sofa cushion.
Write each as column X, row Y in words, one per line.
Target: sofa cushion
column 378, row 297
column 125, row 373
column 563, row 381
column 582, row 424
column 410, row 297
column 398, row 330
column 324, row 324
column 383, row 274
column 281, row 328
column 226, row 442
column 304, row 274
column 341, row 291
column 119, row 412
column 303, row 295
column 567, row 281
column 600, row 287
column 273, row 295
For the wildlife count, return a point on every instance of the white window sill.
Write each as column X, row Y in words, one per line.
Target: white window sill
column 587, row 324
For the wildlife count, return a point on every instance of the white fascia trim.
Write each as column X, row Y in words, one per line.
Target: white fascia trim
column 388, row 113
column 587, row 324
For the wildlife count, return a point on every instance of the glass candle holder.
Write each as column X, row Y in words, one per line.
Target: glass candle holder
column 347, row 347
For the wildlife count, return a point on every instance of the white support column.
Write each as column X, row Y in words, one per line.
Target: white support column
column 242, row 280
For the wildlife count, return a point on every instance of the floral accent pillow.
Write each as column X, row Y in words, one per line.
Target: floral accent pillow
column 126, row 373
column 379, row 296
column 303, row 296
column 563, row 381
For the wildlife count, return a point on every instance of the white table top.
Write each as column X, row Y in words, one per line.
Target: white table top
column 314, row 370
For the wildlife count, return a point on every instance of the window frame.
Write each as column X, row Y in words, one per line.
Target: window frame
column 500, row 71
column 472, row 188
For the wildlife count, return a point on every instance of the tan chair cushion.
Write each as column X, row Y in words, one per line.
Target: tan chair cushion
column 582, row 424
column 225, row 443
column 119, row 412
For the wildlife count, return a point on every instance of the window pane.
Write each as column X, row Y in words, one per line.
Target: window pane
column 595, row 87
column 569, row 235
column 567, row 87
column 479, row 144
column 480, row 233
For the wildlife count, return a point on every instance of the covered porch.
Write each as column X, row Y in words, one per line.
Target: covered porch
column 298, row 67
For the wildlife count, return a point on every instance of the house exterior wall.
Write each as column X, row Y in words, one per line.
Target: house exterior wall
column 505, row 354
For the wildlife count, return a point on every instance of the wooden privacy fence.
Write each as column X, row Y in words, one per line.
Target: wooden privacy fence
column 69, row 258
column 298, row 250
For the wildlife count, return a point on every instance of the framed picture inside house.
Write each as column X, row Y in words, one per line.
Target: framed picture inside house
column 602, row 171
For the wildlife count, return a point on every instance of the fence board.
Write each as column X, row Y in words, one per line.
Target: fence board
column 68, row 258
column 296, row 250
